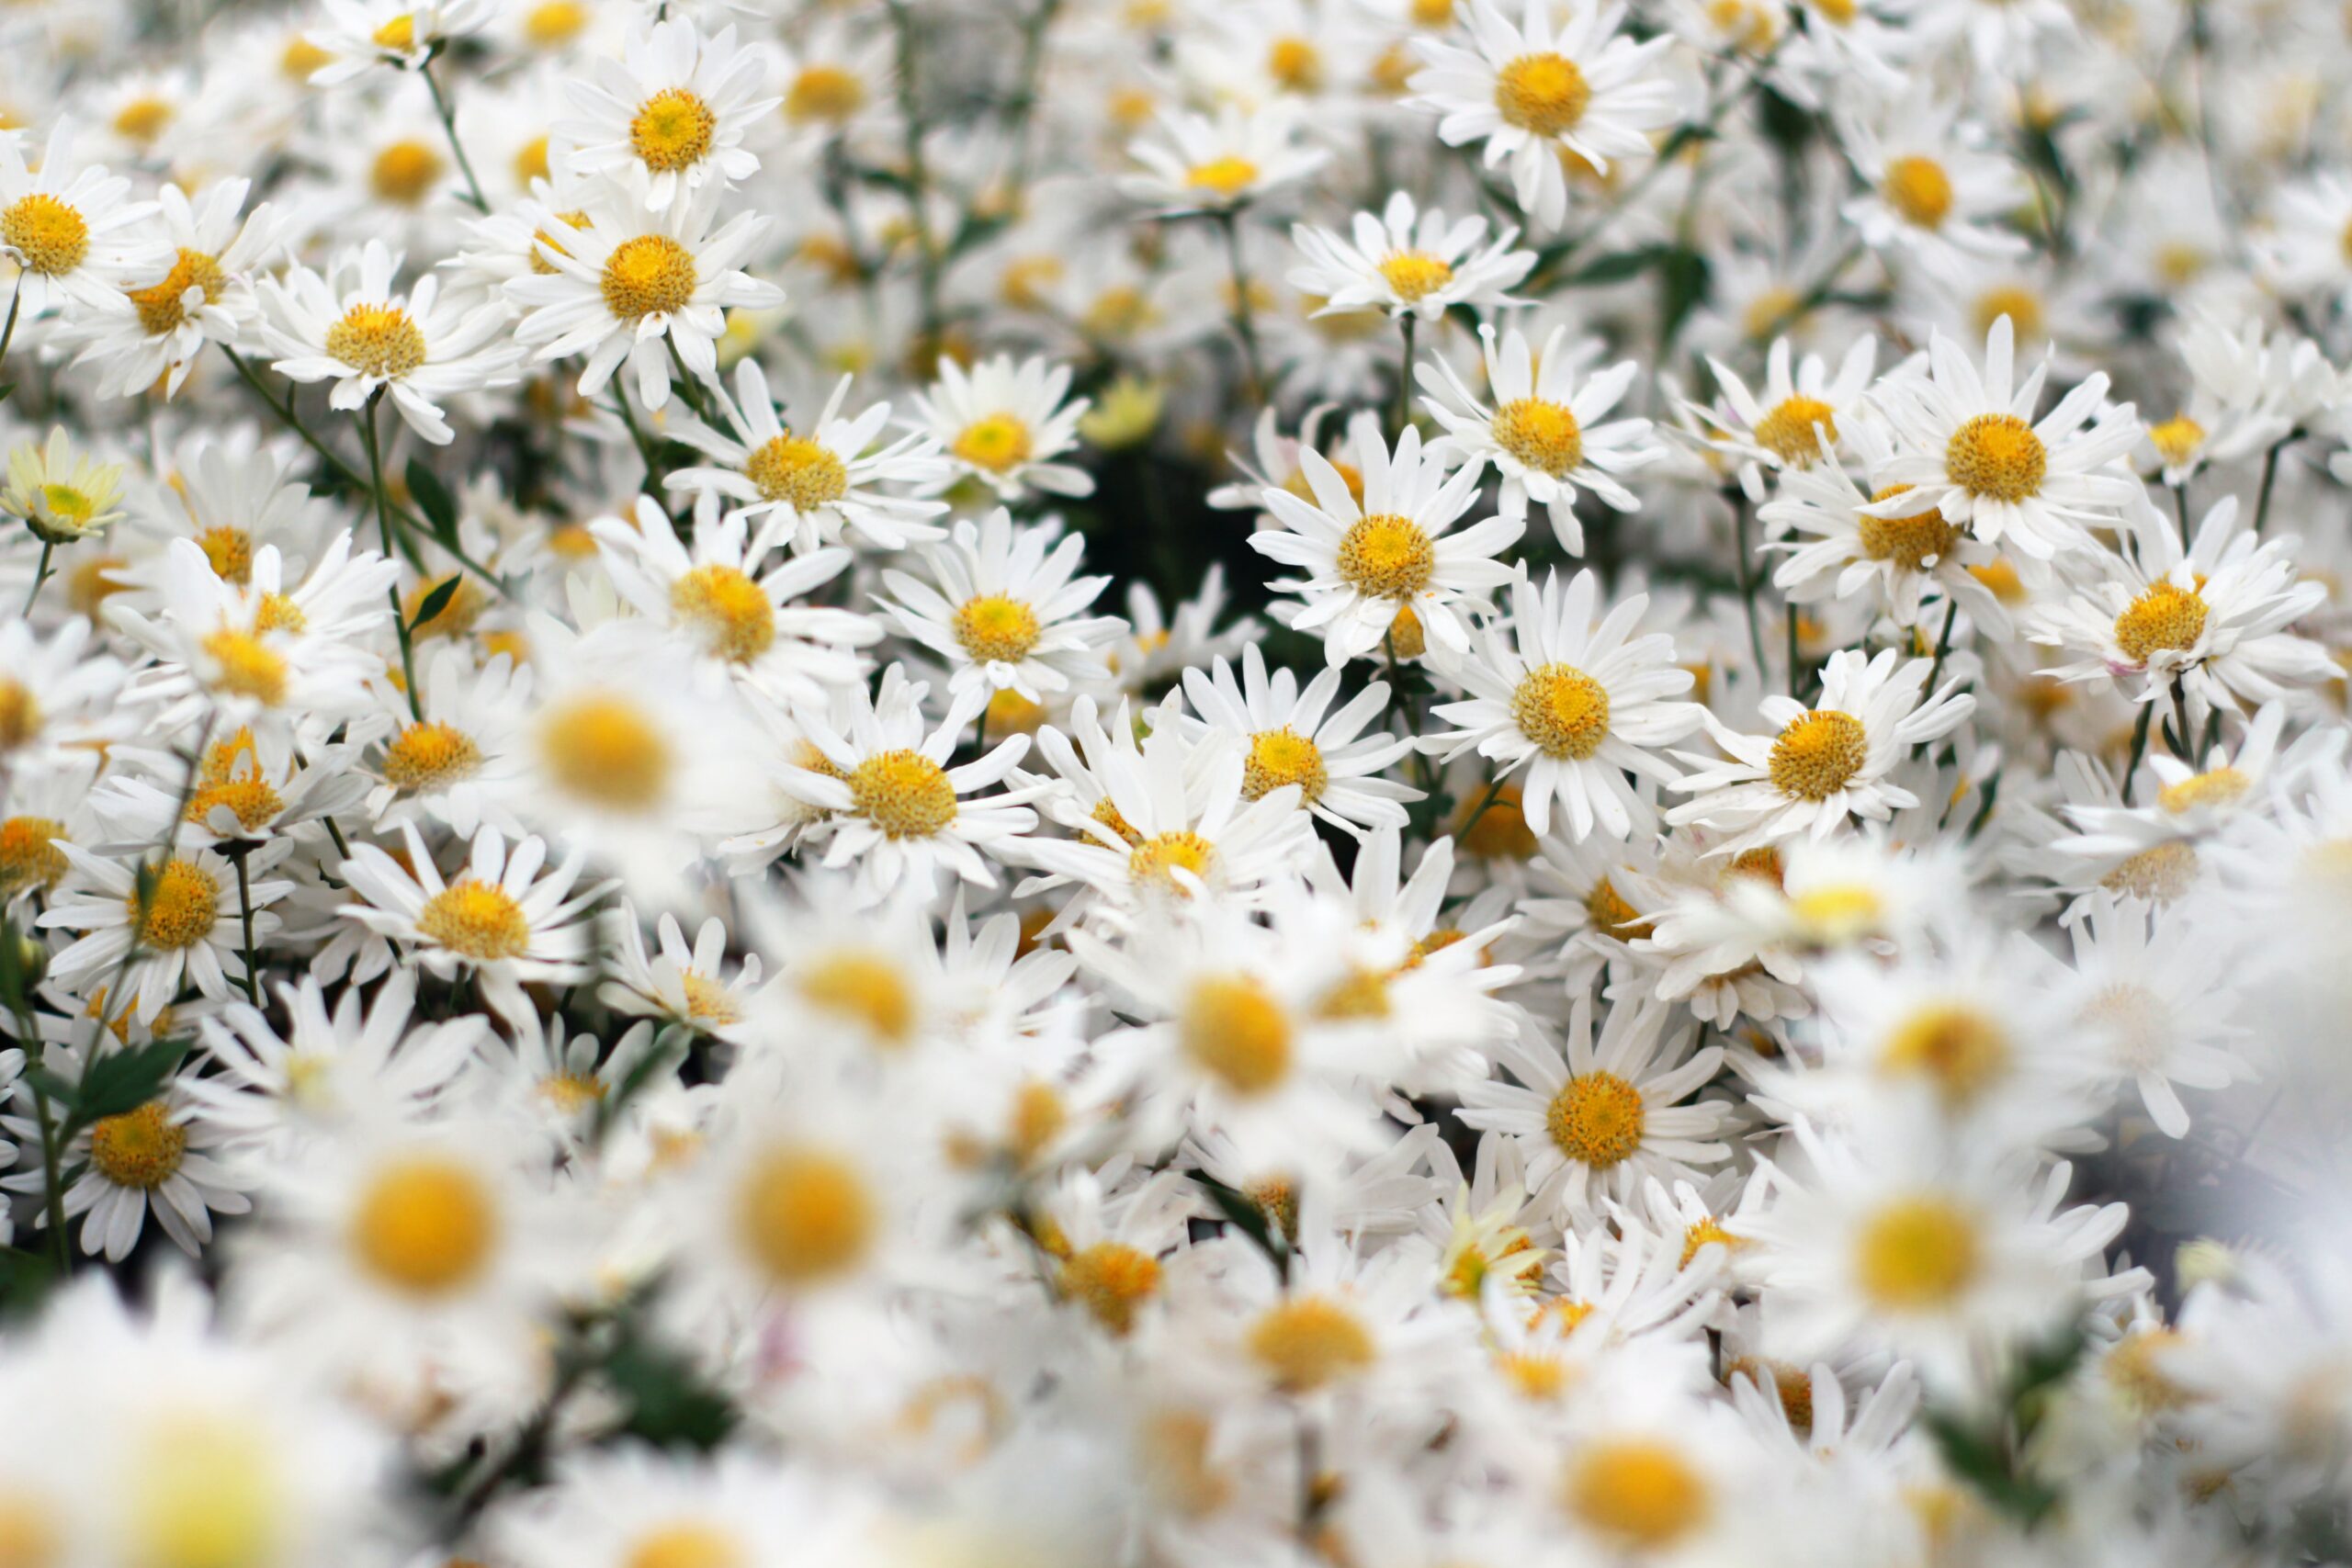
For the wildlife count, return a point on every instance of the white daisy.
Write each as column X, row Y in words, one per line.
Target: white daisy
column 1408, row 263
column 1003, row 612
column 1794, row 421
column 207, row 297
column 1003, row 425
column 672, row 112
column 1204, row 164
column 1290, row 737
column 79, row 244
column 169, row 922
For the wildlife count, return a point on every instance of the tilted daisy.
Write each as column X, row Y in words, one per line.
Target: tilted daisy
column 351, row 327
column 1828, row 762
column 1408, row 263
column 207, row 297
column 1201, row 164
column 1003, row 424
column 1966, row 444
column 1387, row 569
column 165, row 923
column 79, row 243
column 1532, row 93
column 1003, row 609
column 499, row 919
column 1792, row 421
column 1596, row 1119
column 673, row 108
column 1577, row 698
column 1838, row 549
column 825, row 481
column 631, row 287
column 1932, row 187
column 57, row 698
column 686, row 985
column 362, row 35
column 1290, row 737
column 456, row 765
column 1541, row 434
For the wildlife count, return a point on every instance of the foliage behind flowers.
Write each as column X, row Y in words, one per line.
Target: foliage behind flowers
column 1096, row 782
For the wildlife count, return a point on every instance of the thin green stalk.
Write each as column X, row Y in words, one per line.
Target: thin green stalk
column 1944, row 645
column 2139, row 748
column 1747, row 591
column 52, row 1158
column 1243, row 326
column 384, row 527
column 40, row 574
column 449, row 128
column 902, row 23
column 2269, row 477
column 245, row 916
column 1404, row 375
column 16, row 302
column 1494, row 793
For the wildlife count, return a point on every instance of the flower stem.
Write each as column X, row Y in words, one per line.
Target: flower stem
column 40, row 575
column 384, row 527
column 1404, row 375
column 245, row 916
column 16, row 302
column 449, row 128
column 1243, row 326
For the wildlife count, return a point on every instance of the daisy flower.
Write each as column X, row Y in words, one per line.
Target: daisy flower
column 1541, row 434
column 634, row 1504
column 500, row 919
column 1571, row 696
column 79, row 245
column 823, row 482
column 1840, row 550
column 1828, row 762
column 1532, row 95
column 350, row 328
column 2152, row 988
column 1932, row 187
column 631, row 288
column 458, row 767
column 1002, row 424
column 1003, row 612
column 2306, row 252
column 1792, row 422
column 62, row 495
column 685, row 985
column 1408, row 263
column 1386, row 569
column 1203, row 164
column 1966, row 444
column 57, row 699
column 360, row 35
column 671, row 113
column 1594, row 1120
column 1290, row 737
column 206, row 298
column 166, row 924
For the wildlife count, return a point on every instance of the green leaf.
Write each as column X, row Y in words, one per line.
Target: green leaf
column 1243, row 1214
column 437, row 601
column 669, row 1404
column 124, row 1080
column 1615, row 267
column 432, row 499
column 6, row 388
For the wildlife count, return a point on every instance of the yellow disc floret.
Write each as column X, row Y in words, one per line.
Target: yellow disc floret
column 1110, row 1279
column 1227, row 176
column 995, row 629
column 824, row 93
column 1279, row 757
column 1237, row 1031
column 478, row 920
column 805, row 1215
column 604, row 751
column 903, row 792
column 998, row 443
column 1909, row 542
column 161, row 307
column 794, row 468
column 29, row 858
column 1917, row 1253
column 52, row 236
column 1797, row 430
column 2166, row 618
column 181, row 908
column 1310, row 1342
column 1919, row 190
column 1960, row 1051
column 649, row 275
column 1638, row 1490
column 1386, row 556
column 1996, row 456
column 405, row 173
column 1543, row 435
column 865, row 988
column 1412, row 273
column 1597, row 1118
column 672, row 131
column 1545, row 94
column 377, row 339
column 733, row 614
column 19, row 714
column 139, row 1148
column 1818, row 754
column 1562, row 710
column 1155, row 861
column 424, row 1225
column 427, row 757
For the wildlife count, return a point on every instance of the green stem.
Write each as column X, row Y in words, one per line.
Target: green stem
column 16, row 302
column 449, row 128
column 40, row 574
column 384, row 527
column 1494, row 793
column 52, row 1158
column 1243, row 325
column 245, row 916
column 2269, row 477
column 2139, row 748
column 1404, row 377
column 1747, row 592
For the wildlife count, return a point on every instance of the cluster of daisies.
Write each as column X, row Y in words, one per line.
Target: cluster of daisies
column 1139, row 784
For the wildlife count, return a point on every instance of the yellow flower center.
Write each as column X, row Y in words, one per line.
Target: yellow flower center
column 1155, row 861
column 399, row 35
column 651, row 274
column 903, row 792
column 1310, row 1342
column 531, row 162
column 182, row 906
column 19, row 714
column 1774, row 306
column 302, row 59
column 2135, row 1370
column 139, row 1148
column 1110, row 1279
column 1708, row 1232
column 2168, row 618
column 1789, row 433
column 1909, row 542
column 1236, row 1031
column 998, row 442
column 672, row 131
column 478, row 920
column 864, row 988
column 1295, row 64
column 1607, row 910
column 2222, row 786
column 995, row 629
column 805, row 1215
column 603, row 750
column 1640, row 1491
column 554, row 22
column 1762, row 863
column 2159, row 875
column 1562, row 710
column 685, row 1545
column 424, row 1225
column 2019, row 304
column 249, row 799
column 707, row 1000
column 1793, row 1386
column 1917, row 1253
column 29, row 860
column 2177, row 439
column 1840, row 13
column 1279, row 757
column 1919, row 190
column 377, row 339
column 825, row 93
column 1543, row 437
column 1818, row 754
column 1386, row 556
column 51, row 236
column 733, row 614
column 1996, row 454
column 1412, row 273
column 1958, row 1051
column 1545, row 94
column 797, row 470
column 427, row 757
column 1358, row 995
column 142, row 119
column 571, row 1093
column 405, row 173
column 160, row 309
column 1597, row 1119
column 1227, row 176
column 229, row 552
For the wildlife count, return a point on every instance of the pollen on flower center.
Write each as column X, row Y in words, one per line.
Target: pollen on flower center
column 805, row 1215
column 1543, row 437
column 182, row 906
column 1310, row 1342
column 794, row 468
column 1788, row 431
column 229, row 552
column 19, row 714
column 1818, row 754
column 377, row 339
column 2159, row 874
column 866, row 987
column 1609, row 912
column 997, row 442
column 160, row 308
column 52, row 236
column 249, row 799
column 29, row 857
column 1997, row 455
column 1909, row 542
column 405, row 173
column 1228, row 175
column 426, row 757
column 903, row 792
column 1386, row 556
column 995, row 629
column 603, row 750
column 1156, row 860
column 2177, row 439
column 647, row 274
column 1545, row 94
column 1295, row 63
column 1562, row 710
column 398, row 35
column 1279, row 757
column 425, row 1225
column 1236, row 1031
column 1917, row 1253
column 824, row 92
column 686, row 1544
column 672, row 131
column 708, row 1001
column 1638, row 1490
column 139, row 1148
column 2222, row 786
column 1919, row 190
column 1958, row 1049
column 1597, row 1118
column 733, row 614
column 2168, row 618
column 478, row 920
column 1412, row 273
column 1110, row 1279
column 554, row 22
